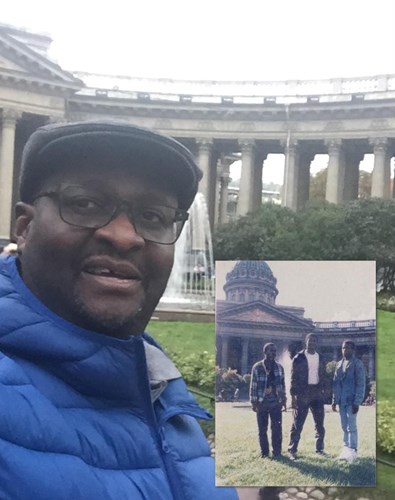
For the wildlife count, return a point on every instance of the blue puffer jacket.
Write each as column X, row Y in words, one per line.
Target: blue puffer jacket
column 76, row 418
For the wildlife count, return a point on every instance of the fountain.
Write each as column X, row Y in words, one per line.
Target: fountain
column 285, row 360
column 191, row 284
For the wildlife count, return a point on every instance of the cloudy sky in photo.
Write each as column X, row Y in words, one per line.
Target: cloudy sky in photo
column 328, row 290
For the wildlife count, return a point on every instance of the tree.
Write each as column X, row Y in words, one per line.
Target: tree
column 259, row 235
column 371, row 225
column 227, row 381
column 323, row 233
column 318, row 186
column 359, row 230
column 365, row 184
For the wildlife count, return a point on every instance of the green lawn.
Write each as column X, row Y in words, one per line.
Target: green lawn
column 385, row 385
column 386, row 355
column 192, row 337
column 238, row 459
column 183, row 337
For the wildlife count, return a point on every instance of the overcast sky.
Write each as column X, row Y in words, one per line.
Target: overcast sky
column 217, row 40
column 329, row 291
column 222, row 39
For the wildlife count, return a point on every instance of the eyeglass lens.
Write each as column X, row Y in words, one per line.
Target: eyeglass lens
column 86, row 208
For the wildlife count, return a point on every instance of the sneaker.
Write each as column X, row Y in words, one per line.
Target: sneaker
column 322, row 453
column 345, row 454
column 352, row 456
column 277, row 456
column 292, row 456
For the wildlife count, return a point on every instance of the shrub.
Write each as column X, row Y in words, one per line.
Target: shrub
column 228, row 381
column 386, row 301
column 197, row 369
column 386, row 426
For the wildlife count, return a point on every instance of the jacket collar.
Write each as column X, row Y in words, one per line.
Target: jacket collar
column 99, row 366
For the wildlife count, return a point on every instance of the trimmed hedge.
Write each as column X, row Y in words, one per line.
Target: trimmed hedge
column 386, row 426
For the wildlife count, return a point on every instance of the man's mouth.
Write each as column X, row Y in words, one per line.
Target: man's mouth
column 97, row 271
column 111, row 268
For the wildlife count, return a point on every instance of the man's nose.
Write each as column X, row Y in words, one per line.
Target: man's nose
column 121, row 233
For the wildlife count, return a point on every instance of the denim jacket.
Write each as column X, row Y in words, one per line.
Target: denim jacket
column 349, row 385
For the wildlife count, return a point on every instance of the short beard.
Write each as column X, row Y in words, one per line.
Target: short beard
column 108, row 323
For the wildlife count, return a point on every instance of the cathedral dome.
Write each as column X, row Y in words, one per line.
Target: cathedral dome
column 251, row 280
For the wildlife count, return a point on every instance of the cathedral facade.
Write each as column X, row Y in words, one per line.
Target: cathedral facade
column 249, row 317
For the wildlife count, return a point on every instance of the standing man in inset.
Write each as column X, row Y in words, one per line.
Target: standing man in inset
column 267, row 396
column 308, row 392
column 348, row 393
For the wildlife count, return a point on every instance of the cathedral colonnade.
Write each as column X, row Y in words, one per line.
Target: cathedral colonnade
column 220, row 122
column 215, row 158
column 240, row 351
column 7, row 151
column 16, row 126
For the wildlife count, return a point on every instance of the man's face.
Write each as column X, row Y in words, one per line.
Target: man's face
column 271, row 352
column 108, row 279
column 347, row 350
column 311, row 344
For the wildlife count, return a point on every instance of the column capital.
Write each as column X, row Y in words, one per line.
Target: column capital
column 10, row 116
column 379, row 144
column 205, row 144
column 225, row 178
column 247, row 145
column 292, row 146
column 334, row 146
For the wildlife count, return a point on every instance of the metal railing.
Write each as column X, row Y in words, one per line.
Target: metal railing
column 324, row 325
column 237, row 92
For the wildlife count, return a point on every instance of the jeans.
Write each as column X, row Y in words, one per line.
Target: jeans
column 349, row 425
column 312, row 400
column 276, row 427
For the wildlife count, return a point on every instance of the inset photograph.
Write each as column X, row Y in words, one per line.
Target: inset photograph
column 296, row 371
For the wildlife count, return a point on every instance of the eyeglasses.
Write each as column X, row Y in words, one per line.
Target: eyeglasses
column 82, row 207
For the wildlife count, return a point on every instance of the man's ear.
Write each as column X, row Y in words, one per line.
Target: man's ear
column 24, row 215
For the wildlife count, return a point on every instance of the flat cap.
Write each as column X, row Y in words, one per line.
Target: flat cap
column 110, row 143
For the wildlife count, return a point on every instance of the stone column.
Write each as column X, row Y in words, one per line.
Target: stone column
column 246, row 199
column 381, row 175
column 303, row 180
column 8, row 127
column 224, row 352
column 291, row 174
column 223, row 191
column 244, row 357
column 257, row 182
column 392, row 161
column 353, row 158
column 334, row 354
column 208, row 182
column 335, row 176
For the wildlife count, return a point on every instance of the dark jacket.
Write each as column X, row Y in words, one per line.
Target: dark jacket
column 76, row 417
column 300, row 375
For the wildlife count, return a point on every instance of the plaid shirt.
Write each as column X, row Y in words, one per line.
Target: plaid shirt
column 259, row 383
